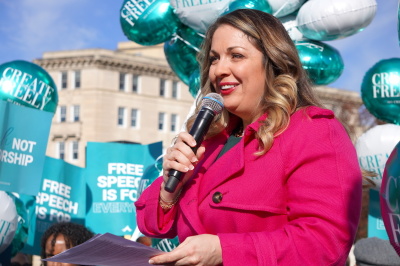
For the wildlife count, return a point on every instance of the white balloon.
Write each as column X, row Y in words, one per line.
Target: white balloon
column 8, row 220
column 290, row 24
column 325, row 20
column 374, row 148
column 197, row 15
column 281, row 8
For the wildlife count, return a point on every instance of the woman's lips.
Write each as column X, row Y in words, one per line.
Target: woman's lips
column 229, row 88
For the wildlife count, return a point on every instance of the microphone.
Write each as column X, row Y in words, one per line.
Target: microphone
column 211, row 105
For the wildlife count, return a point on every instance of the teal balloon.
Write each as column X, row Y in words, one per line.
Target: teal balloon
column 150, row 174
column 28, row 84
column 181, row 57
column 380, row 90
column 322, row 62
column 191, row 36
column 148, row 22
column 194, row 83
column 262, row 5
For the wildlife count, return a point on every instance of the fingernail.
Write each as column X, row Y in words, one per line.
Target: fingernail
column 186, row 169
column 194, row 159
column 151, row 261
column 191, row 167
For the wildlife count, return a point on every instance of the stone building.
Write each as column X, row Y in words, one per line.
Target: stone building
column 126, row 95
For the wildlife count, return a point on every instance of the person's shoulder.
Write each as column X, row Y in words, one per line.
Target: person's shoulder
column 313, row 112
column 315, row 119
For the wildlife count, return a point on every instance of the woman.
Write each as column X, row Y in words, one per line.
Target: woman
column 60, row 237
column 288, row 192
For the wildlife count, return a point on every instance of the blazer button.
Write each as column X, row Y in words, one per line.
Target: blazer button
column 217, row 197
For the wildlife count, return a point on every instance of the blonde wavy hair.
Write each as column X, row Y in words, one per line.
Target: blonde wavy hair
column 287, row 87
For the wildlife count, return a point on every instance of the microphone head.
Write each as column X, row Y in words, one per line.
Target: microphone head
column 214, row 102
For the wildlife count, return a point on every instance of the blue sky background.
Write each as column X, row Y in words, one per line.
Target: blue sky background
column 30, row 27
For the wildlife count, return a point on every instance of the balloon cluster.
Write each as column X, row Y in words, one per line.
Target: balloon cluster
column 181, row 25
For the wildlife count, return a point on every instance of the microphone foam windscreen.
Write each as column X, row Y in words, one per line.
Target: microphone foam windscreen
column 213, row 101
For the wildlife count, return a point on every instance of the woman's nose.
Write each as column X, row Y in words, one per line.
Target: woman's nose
column 221, row 68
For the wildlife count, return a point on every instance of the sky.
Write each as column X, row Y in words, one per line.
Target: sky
column 30, row 27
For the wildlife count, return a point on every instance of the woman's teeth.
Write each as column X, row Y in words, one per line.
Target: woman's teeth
column 227, row 87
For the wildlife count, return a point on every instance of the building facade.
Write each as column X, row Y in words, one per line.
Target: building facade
column 132, row 95
column 113, row 96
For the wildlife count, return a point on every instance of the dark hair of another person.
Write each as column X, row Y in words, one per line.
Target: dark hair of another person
column 74, row 234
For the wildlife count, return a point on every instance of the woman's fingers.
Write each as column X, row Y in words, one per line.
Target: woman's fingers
column 200, row 153
column 180, row 156
column 187, row 138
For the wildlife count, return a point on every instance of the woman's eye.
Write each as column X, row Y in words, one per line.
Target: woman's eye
column 237, row 55
column 213, row 59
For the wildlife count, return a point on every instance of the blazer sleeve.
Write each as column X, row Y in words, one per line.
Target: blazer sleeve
column 323, row 181
column 150, row 218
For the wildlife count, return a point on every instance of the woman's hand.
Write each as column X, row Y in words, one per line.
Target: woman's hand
column 195, row 250
column 181, row 158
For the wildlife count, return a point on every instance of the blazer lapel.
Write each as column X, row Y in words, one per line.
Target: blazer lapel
column 222, row 169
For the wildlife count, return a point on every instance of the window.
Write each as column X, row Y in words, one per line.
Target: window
column 77, row 83
column 162, row 87
column 62, row 113
column 61, row 150
column 75, row 113
column 75, row 152
column 121, row 116
column 174, row 122
column 175, row 89
column 134, row 118
column 161, row 121
column 122, row 81
column 135, row 83
column 64, row 80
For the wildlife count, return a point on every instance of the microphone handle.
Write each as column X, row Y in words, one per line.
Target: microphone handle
column 198, row 131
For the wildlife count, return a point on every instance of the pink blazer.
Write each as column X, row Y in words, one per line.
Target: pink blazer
column 299, row 204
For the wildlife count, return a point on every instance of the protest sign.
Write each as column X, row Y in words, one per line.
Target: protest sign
column 113, row 174
column 24, row 134
column 62, row 198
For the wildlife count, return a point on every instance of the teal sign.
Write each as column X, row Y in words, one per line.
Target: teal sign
column 61, row 198
column 113, row 174
column 24, row 134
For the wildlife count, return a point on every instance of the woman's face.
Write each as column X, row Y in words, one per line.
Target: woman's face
column 59, row 247
column 237, row 72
